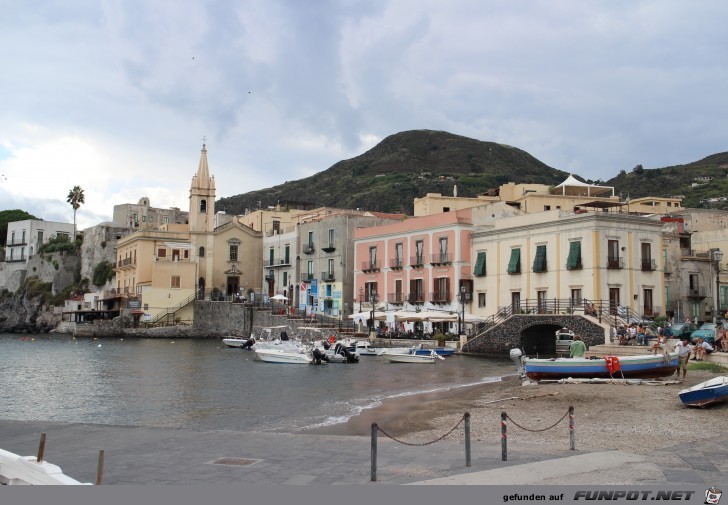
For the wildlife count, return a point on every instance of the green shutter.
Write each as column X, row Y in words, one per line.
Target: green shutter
column 539, row 262
column 514, row 265
column 480, row 264
column 574, row 260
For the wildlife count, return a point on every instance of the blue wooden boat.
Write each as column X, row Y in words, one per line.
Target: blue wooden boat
column 442, row 351
column 643, row 366
column 706, row 393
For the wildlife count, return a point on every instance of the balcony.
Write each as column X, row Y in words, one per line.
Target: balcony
column 16, row 260
column 306, row 277
column 270, row 278
column 126, row 264
column 328, row 276
column 648, row 265
column 440, row 297
column 396, row 298
column 441, row 259
column 698, row 293
column 17, row 243
column 416, row 298
column 614, row 262
column 576, row 266
column 279, row 262
column 417, row 261
column 369, row 266
column 308, row 248
column 396, row 264
column 329, row 248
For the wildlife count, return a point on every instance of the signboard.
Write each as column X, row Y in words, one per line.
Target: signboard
column 133, row 304
column 314, row 288
column 146, row 317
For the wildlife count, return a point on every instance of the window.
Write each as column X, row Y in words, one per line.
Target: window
column 287, row 254
column 310, row 239
column 539, row 262
column 514, row 264
column 576, row 296
column 331, row 267
column 398, row 251
column 271, row 257
column 161, row 253
column 331, row 237
column 285, row 278
column 276, row 227
column 370, row 291
column 175, row 282
column 40, row 237
column 203, row 206
column 373, row 257
column 541, row 300
column 481, row 299
column 175, row 254
column 516, row 301
column 398, row 298
column 613, row 254
column 480, row 265
column 417, row 294
column 419, row 252
column 186, row 254
column 646, row 250
column 12, row 238
column 443, row 249
column 442, row 290
column 693, row 286
column 202, row 252
column 165, row 219
column 233, row 252
column 546, row 207
column 647, row 302
column 310, row 269
column 574, row 260
column 446, row 209
column 23, row 239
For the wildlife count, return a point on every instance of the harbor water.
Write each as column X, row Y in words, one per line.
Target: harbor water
column 201, row 384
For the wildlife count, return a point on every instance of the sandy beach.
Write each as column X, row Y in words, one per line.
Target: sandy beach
column 635, row 418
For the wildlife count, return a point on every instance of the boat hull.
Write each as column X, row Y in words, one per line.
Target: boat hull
column 409, row 358
column 632, row 367
column 234, row 342
column 442, row 351
column 276, row 356
column 706, row 393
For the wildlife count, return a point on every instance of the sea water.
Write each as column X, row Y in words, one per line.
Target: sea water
column 202, row 384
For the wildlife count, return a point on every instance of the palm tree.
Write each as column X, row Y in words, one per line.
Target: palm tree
column 75, row 198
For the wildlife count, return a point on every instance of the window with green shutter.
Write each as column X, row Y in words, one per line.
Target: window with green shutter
column 514, row 265
column 574, row 260
column 539, row 262
column 480, row 265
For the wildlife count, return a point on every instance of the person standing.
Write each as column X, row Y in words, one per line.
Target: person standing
column 683, row 349
column 577, row 348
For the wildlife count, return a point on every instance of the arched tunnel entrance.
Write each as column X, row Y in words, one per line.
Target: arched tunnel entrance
column 539, row 339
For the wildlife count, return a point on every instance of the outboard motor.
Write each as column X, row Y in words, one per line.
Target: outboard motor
column 516, row 356
column 319, row 356
column 248, row 343
column 338, row 348
column 284, row 335
column 326, row 345
column 350, row 356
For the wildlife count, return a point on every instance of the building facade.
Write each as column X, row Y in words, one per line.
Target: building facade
column 25, row 237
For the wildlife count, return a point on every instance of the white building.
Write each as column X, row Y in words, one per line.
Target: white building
column 25, row 237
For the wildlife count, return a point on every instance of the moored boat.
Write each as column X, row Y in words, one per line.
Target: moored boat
column 640, row 366
column 442, row 351
column 298, row 357
column 412, row 357
column 706, row 393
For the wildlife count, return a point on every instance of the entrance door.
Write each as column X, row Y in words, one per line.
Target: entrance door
column 613, row 300
column 232, row 285
column 201, row 288
column 516, row 302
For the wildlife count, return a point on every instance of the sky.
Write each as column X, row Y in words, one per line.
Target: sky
column 116, row 96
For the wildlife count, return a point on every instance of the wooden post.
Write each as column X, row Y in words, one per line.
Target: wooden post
column 41, row 448
column 100, row 468
column 504, row 438
column 571, row 429
column 375, row 428
column 467, row 438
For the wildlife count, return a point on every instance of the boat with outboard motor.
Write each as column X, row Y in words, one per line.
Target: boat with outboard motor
column 412, row 357
column 298, row 357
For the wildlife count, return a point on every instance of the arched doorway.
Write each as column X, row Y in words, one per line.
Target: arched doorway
column 201, row 288
column 539, row 339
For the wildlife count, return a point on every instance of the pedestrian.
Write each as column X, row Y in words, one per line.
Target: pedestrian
column 683, row 349
column 577, row 348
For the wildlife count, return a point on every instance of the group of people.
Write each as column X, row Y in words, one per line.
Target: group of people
column 637, row 334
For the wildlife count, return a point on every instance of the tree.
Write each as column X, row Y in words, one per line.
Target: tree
column 75, row 198
column 9, row 216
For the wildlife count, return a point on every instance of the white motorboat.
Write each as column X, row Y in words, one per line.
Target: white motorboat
column 412, row 357
column 239, row 341
column 299, row 357
column 27, row 470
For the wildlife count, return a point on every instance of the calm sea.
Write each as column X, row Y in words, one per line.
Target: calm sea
column 201, row 384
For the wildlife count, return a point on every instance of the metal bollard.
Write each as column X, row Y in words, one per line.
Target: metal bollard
column 504, row 438
column 572, row 445
column 467, row 438
column 100, row 467
column 375, row 427
column 41, row 448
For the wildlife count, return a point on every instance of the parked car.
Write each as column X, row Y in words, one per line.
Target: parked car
column 706, row 332
column 680, row 330
column 564, row 338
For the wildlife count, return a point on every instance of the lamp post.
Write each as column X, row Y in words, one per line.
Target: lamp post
column 361, row 297
column 373, row 298
column 463, row 299
column 717, row 257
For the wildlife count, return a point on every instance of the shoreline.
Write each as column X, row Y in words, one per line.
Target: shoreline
column 634, row 418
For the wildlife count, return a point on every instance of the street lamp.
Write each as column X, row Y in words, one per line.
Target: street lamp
column 373, row 298
column 461, row 320
column 717, row 257
column 361, row 297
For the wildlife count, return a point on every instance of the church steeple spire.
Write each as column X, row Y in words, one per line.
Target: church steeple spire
column 202, row 179
column 202, row 197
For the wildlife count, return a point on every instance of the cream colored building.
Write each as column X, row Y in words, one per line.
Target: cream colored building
column 165, row 269
column 563, row 256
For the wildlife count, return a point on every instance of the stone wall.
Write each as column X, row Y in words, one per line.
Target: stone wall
column 535, row 331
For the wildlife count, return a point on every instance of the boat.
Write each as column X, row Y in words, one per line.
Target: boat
column 442, row 351
column 27, row 470
column 412, row 357
column 266, row 337
column 640, row 366
column 706, row 393
column 242, row 342
column 299, row 357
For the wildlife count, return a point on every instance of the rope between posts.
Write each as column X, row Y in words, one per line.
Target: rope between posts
column 424, row 443
column 544, row 429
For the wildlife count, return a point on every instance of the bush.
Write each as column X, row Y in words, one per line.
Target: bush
column 103, row 272
column 58, row 243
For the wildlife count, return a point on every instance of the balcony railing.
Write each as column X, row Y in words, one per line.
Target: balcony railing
column 17, row 243
column 306, row 277
column 13, row 260
column 327, row 276
column 308, row 248
column 396, row 264
column 369, row 266
column 649, row 265
column 440, row 297
column 330, row 247
column 396, row 298
column 417, row 261
column 698, row 293
column 615, row 262
column 416, row 298
column 577, row 266
column 277, row 262
column 441, row 259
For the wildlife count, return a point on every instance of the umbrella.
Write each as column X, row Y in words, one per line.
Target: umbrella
column 279, row 298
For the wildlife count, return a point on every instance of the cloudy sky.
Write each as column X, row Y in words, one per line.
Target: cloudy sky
column 116, row 95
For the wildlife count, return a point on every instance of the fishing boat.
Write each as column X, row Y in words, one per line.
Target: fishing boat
column 706, row 393
column 639, row 367
column 27, row 470
column 412, row 357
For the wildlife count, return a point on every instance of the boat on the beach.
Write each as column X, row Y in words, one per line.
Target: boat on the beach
column 706, row 393
column 412, row 357
column 27, row 470
column 638, row 367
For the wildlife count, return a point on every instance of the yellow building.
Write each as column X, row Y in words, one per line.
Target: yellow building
column 163, row 270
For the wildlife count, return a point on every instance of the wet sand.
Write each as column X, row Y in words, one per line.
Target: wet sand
column 635, row 418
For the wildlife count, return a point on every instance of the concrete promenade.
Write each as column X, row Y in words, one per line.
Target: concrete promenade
column 140, row 455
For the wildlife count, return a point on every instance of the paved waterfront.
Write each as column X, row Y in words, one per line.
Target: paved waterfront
column 140, row 455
